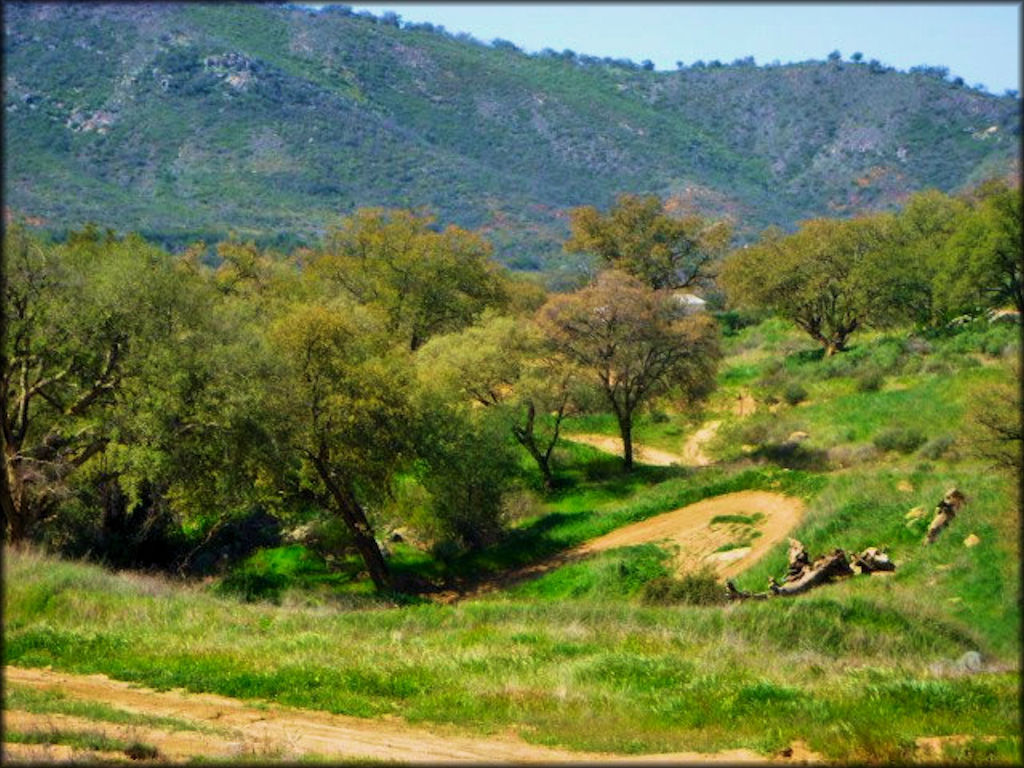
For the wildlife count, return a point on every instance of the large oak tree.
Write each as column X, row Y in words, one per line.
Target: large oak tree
column 634, row 342
column 830, row 278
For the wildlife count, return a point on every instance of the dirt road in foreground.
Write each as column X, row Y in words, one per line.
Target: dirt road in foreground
column 235, row 729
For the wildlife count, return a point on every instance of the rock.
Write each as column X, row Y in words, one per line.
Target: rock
column 970, row 662
column 915, row 513
column 797, row 437
column 972, row 541
column 905, row 486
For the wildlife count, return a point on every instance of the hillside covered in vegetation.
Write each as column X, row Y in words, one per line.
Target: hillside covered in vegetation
column 195, row 120
column 291, row 423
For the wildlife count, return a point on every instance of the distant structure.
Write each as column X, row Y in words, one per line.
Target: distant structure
column 691, row 302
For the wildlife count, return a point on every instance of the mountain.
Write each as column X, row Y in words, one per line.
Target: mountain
column 195, row 120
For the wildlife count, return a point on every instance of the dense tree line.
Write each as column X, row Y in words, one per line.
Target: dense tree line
column 393, row 374
column 386, row 376
column 940, row 257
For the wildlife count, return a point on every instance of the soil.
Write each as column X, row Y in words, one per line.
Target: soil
column 745, row 405
column 642, row 454
column 692, row 456
column 697, row 539
column 693, row 452
column 233, row 729
column 689, row 529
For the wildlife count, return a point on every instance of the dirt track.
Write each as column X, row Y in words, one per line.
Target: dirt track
column 235, row 729
column 692, row 456
column 690, row 528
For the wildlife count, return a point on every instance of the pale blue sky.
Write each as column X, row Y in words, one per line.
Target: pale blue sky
column 979, row 42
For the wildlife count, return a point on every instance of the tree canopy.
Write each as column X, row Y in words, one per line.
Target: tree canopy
column 634, row 342
column 640, row 237
column 829, row 277
column 424, row 281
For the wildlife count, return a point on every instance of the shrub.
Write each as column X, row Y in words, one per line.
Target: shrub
column 901, row 439
column 795, row 393
column 252, row 583
column 869, row 379
column 733, row 321
column 693, row 588
column 937, row 447
column 842, row 456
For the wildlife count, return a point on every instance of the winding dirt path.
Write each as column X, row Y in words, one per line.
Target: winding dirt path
column 234, row 729
column 643, row 454
column 693, row 451
column 692, row 456
column 690, row 528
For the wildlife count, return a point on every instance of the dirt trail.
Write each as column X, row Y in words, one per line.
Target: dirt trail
column 692, row 456
column 693, row 451
column 745, row 404
column 642, row 454
column 272, row 732
column 690, row 528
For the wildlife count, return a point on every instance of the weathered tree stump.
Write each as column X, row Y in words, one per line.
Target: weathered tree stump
column 947, row 509
column 803, row 575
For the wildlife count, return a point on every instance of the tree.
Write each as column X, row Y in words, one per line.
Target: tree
column 920, row 233
column 635, row 342
column 995, row 423
column 339, row 405
column 830, row 277
column 465, row 463
column 77, row 320
column 425, row 282
column 637, row 236
column 981, row 264
column 507, row 364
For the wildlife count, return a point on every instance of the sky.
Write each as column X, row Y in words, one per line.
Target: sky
column 979, row 42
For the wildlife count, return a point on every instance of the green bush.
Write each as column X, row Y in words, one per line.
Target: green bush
column 794, row 393
column 937, row 447
column 869, row 379
column 901, row 439
column 693, row 588
column 253, row 584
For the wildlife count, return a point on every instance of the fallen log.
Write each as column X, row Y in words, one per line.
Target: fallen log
column 802, row 575
column 947, row 509
column 872, row 560
column 825, row 569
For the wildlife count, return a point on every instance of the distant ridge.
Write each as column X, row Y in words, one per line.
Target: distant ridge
column 188, row 121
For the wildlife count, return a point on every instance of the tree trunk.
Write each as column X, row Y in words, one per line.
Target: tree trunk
column 355, row 518
column 626, row 430
column 12, row 501
column 527, row 438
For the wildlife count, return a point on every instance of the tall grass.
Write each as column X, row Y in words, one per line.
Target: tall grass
column 585, row 674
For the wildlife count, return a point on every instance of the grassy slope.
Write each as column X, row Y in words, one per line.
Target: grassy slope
column 858, row 669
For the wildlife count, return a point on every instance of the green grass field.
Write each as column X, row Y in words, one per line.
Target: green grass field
column 589, row 656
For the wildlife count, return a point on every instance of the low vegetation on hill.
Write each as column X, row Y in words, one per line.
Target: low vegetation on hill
column 356, row 466
column 198, row 120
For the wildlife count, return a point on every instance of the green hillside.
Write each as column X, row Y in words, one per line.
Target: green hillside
column 193, row 120
column 593, row 656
